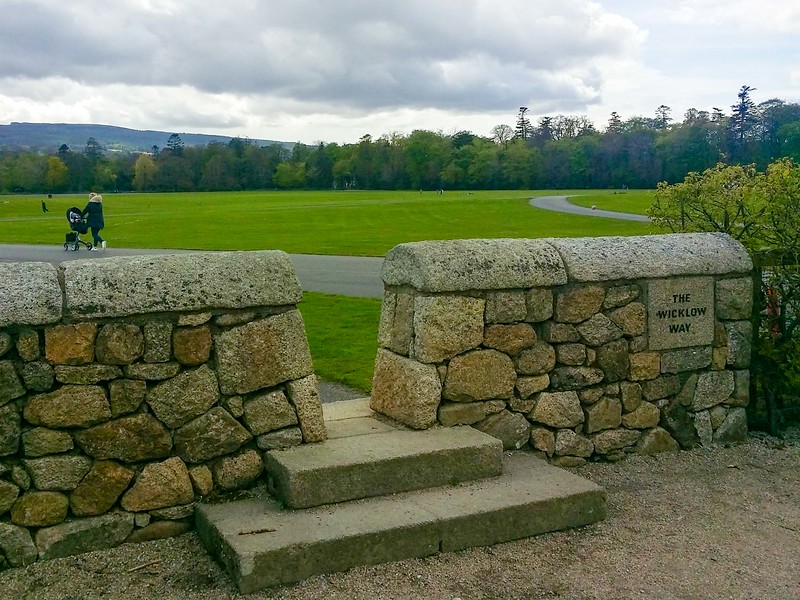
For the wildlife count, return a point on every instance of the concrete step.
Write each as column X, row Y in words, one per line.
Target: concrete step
column 359, row 466
column 261, row 544
column 348, row 418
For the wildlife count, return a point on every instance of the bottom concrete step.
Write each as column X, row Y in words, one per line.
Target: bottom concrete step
column 261, row 544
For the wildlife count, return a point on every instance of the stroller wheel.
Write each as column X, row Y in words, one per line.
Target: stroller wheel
column 66, row 247
column 74, row 247
column 89, row 246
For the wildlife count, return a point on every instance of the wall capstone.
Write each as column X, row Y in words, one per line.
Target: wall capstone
column 124, row 286
column 649, row 256
column 31, row 294
column 461, row 265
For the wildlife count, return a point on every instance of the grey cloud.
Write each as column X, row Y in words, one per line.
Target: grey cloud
column 471, row 55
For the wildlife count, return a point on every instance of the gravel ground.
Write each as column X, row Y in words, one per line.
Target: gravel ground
column 710, row 523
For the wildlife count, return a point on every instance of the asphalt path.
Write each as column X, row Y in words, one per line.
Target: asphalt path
column 562, row 204
column 356, row 276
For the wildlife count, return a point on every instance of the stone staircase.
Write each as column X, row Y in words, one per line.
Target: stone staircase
column 374, row 493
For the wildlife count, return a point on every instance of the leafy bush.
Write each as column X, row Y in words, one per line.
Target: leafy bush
column 762, row 211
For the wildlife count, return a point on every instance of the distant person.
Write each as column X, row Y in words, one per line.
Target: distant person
column 94, row 219
column 44, row 204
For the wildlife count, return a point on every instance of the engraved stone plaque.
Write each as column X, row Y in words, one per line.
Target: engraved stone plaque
column 680, row 312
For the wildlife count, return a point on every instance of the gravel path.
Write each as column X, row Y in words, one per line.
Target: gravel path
column 710, row 523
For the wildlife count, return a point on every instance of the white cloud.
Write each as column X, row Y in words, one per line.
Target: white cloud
column 741, row 15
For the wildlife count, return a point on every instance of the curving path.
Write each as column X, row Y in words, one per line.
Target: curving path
column 562, row 204
column 356, row 276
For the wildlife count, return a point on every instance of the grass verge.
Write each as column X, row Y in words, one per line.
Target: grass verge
column 343, row 337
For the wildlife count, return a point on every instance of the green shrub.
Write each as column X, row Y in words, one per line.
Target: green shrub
column 762, row 211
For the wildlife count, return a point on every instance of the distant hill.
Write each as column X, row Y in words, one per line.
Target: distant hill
column 48, row 137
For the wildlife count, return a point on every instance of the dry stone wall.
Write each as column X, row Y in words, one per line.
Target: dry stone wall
column 580, row 348
column 131, row 388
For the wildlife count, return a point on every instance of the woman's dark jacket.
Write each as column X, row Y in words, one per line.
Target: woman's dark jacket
column 94, row 215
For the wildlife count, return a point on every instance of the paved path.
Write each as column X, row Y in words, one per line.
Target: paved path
column 562, row 204
column 358, row 276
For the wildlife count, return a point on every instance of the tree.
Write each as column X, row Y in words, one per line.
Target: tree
column 544, row 132
column 93, row 150
column 516, row 164
column 663, row 117
column 56, row 178
column 257, row 166
column 175, row 144
column 426, row 154
column 502, row 134
column 790, row 134
column 319, row 168
column 774, row 115
column 145, row 171
column 614, row 123
column 782, row 200
column 483, row 168
column 290, row 175
column 565, row 126
column 103, row 177
column 743, row 114
column 27, row 172
column 741, row 125
column 524, row 129
column 462, row 138
column 174, row 173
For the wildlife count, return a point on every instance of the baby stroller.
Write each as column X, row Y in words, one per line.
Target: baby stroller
column 78, row 226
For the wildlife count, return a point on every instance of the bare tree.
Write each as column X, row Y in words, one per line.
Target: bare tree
column 502, row 134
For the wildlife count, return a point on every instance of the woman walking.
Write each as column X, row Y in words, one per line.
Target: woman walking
column 94, row 219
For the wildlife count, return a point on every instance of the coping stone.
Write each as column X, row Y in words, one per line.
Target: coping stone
column 475, row 264
column 123, row 286
column 30, row 293
column 650, row 256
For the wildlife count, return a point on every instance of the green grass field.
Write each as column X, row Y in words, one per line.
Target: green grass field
column 349, row 223
column 342, row 331
column 630, row 201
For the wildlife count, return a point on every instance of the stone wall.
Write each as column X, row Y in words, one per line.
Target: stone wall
column 130, row 388
column 581, row 348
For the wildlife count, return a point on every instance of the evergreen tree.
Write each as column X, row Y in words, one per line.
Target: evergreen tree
column 524, row 129
column 175, row 144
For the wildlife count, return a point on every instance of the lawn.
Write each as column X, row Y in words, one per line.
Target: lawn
column 343, row 337
column 350, row 223
column 342, row 331
column 630, row 201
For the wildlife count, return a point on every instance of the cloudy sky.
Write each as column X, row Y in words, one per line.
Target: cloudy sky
column 335, row 70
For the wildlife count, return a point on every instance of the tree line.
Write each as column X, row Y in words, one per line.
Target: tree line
column 557, row 152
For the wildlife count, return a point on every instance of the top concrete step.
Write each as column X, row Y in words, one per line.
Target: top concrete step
column 375, row 464
column 348, row 418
